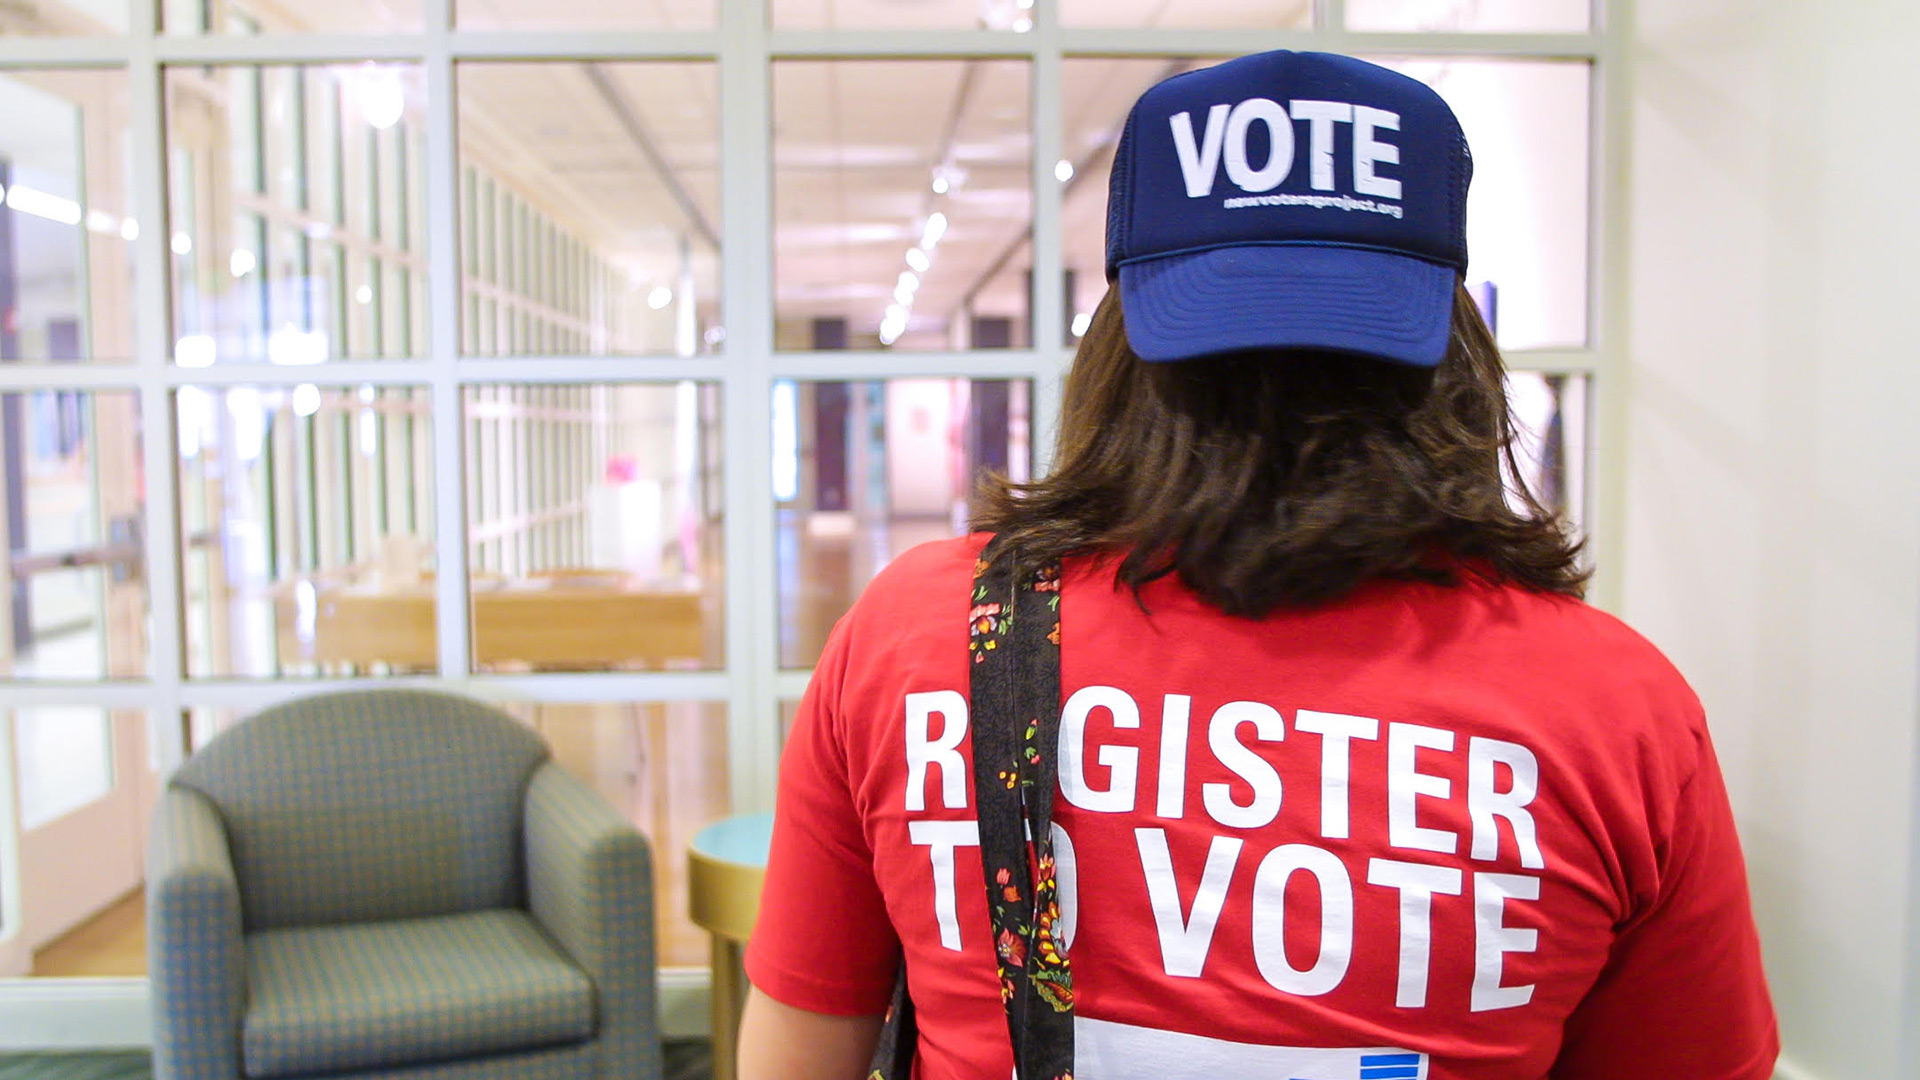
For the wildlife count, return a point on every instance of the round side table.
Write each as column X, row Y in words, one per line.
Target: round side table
column 727, row 863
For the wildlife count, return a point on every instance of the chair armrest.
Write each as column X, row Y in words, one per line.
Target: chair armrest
column 196, row 956
column 590, row 884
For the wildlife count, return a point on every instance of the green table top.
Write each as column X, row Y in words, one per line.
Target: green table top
column 744, row 839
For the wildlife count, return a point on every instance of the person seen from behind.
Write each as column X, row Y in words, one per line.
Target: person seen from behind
column 1351, row 784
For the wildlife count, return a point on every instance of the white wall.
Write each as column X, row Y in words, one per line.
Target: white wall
column 1773, row 543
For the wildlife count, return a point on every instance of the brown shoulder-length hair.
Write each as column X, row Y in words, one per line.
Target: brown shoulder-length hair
column 1286, row 478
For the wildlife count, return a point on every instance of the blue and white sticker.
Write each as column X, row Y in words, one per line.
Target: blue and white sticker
column 1110, row 1051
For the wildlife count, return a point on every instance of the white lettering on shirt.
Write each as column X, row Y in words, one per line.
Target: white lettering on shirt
column 1173, row 756
column 1417, row 882
column 1484, row 804
column 1320, row 117
column 1124, row 761
column 1184, row 941
column 923, row 750
column 940, row 838
column 1405, row 784
column 1222, row 737
column 1270, row 920
column 1493, row 939
column 1066, row 878
column 1336, row 731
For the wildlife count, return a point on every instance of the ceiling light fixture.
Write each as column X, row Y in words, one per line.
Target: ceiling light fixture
column 306, row 399
column 1022, row 25
column 1063, row 171
column 383, row 100
column 918, row 260
column 40, row 204
column 659, row 298
column 182, row 244
column 241, row 262
column 935, row 229
column 894, row 324
column 195, row 351
column 941, row 185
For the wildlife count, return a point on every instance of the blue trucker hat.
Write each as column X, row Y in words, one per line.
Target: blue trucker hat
column 1289, row 200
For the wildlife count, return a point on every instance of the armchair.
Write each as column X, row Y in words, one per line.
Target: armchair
column 390, row 884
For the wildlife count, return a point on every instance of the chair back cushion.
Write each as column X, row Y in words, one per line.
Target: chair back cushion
column 370, row 804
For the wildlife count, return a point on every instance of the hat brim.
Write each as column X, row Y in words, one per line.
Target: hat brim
column 1230, row 299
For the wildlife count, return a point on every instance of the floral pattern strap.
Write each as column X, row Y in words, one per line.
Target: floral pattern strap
column 1014, row 648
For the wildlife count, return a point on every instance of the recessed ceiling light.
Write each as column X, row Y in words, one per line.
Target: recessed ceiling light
column 1063, row 171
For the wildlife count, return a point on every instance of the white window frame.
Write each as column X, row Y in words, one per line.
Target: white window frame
column 751, row 684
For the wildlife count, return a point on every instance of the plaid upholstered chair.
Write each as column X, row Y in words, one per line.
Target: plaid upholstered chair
column 394, row 883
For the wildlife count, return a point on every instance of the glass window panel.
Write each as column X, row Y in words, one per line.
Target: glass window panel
column 63, row 757
column 663, row 766
column 66, row 18
column 72, row 505
column 620, row 160
column 1015, row 16
column 205, row 17
column 585, row 15
column 1529, row 123
column 289, row 185
column 1476, row 16
column 1096, row 95
column 306, row 529
column 1550, row 441
column 593, row 534
column 880, row 467
column 902, row 189
column 83, row 776
column 1218, row 14
column 66, row 258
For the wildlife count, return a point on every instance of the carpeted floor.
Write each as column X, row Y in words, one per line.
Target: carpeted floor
column 689, row 1059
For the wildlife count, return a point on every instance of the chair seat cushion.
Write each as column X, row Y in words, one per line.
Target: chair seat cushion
column 333, row 998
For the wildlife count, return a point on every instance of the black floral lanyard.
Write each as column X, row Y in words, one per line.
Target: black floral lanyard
column 1015, row 721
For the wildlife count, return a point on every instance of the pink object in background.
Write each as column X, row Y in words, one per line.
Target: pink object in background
column 622, row 469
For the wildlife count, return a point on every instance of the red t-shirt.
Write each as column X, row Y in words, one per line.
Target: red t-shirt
column 1428, row 833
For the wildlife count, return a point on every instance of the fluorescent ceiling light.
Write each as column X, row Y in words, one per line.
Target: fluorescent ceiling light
column 936, row 228
column 42, row 205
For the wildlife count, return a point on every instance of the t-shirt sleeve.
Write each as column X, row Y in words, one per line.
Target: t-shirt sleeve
column 822, row 941
column 1683, row 993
